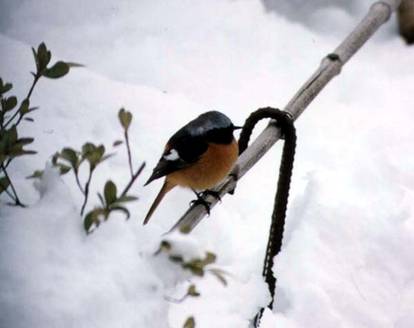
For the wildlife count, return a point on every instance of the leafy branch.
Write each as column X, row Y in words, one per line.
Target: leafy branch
column 189, row 323
column 111, row 202
column 191, row 292
column 11, row 115
column 69, row 159
column 197, row 266
column 125, row 119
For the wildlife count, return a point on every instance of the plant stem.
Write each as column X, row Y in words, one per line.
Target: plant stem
column 10, row 194
column 36, row 78
column 86, row 193
column 134, row 177
column 78, row 182
column 16, row 199
column 2, row 113
column 174, row 300
column 129, row 153
column 7, row 163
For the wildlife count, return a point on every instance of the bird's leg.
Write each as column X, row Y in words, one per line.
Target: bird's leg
column 213, row 193
column 200, row 201
column 235, row 177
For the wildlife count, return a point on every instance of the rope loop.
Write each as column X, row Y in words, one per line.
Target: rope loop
column 284, row 121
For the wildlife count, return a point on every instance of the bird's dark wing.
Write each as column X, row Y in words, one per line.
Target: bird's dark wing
column 181, row 151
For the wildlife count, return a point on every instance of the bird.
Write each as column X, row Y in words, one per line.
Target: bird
column 198, row 156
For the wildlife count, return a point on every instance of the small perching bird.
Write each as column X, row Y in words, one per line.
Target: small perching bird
column 198, row 156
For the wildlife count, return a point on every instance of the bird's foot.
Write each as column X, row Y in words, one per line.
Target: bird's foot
column 235, row 177
column 213, row 193
column 201, row 201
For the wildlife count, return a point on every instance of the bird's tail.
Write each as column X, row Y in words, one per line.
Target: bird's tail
column 166, row 187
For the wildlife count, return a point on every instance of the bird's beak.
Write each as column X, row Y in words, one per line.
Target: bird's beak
column 149, row 180
column 237, row 127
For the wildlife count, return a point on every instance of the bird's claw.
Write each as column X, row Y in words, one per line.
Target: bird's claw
column 235, row 177
column 213, row 193
column 201, row 201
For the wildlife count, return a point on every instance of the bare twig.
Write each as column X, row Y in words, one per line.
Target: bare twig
column 35, row 80
column 129, row 153
column 86, row 193
column 330, row 66
column 134, row 177
column 9, row 194
column 78, row 182
column 15, row 197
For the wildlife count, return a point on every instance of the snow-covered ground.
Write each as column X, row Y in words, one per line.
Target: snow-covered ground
column 347, row 255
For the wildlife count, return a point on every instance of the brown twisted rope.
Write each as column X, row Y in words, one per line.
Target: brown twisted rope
column 285, row 122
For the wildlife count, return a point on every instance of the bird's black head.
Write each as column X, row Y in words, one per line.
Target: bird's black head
column 214, row 127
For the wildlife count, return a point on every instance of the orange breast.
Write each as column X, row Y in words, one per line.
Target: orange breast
column 213, row 166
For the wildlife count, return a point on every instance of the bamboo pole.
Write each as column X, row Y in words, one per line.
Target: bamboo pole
column 330, row 66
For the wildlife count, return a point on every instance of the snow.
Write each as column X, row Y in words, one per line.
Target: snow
column 347, row 252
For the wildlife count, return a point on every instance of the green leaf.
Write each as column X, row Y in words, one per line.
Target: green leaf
column 63, row 169
column 126, row 198
column 189, row 323
column 88, row 147
column 5, row 87
column 104, row 158
column 210, row 258
column 16, row 152
column 29, row 152
column 195, row 266
column 32, row 109
column 192, row 291
column 219, row 274
column 165, row 246
column 24, row 141
column 92, row 219
column 43, row 56
column 72, row 64
column 9, row 137
column 70, row 155
column 49, row 56
column 58, row 70
column 4, row 184
column 176, row 258
column 55, row 158
column 36, row 61
column 24, row 107
column 8, row 140
column 110, row 192
column 9, row 103
column 36, row 175
column 185, row 229
column 117, row 143
column 121, row 209
column 125, row 118
column 93, row 154
column 13, row 134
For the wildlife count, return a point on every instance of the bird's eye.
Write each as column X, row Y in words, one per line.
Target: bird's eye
column 172, row 155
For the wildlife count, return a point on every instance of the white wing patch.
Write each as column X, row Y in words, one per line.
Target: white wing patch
column 172, row 155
